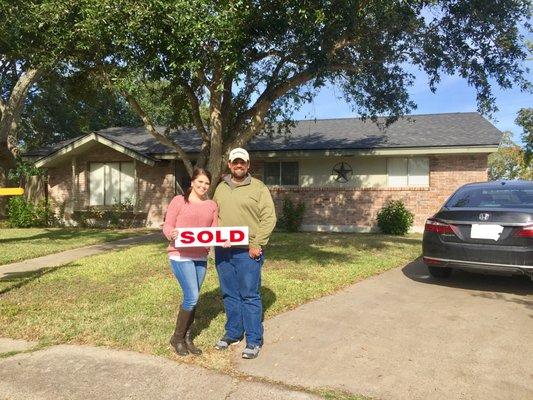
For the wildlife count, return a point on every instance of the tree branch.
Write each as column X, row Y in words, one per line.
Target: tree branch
column 258, row 56
column 12, row 109
column 335, row 67
column 227, row 98
column 256, row 114
column 150, row 127
column 346, row 39
column 195, row 110
column 215, row 111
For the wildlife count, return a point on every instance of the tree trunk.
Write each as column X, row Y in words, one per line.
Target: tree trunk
column 215, row 167
column 13, row 108
column 7, row 162
column 9, row 120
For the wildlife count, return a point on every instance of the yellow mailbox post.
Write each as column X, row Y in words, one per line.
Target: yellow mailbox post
column 11, row 191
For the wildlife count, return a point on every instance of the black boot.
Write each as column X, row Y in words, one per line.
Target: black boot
column 178, row 338
column 188, row 337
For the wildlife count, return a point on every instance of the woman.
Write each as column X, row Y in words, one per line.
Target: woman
column 189, row 264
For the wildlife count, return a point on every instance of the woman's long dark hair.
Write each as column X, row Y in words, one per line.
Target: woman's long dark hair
column 195, row 173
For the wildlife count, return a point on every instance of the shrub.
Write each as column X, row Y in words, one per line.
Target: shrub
column 394, row 218
column 21, row 214
column 291, row 215
column 119, row 215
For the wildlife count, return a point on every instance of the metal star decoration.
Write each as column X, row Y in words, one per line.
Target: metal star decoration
column 343, row 171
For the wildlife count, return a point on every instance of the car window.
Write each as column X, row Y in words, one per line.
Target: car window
column 472, row 197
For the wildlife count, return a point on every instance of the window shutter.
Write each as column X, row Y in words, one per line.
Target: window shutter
column 289, row 173
column 272, row 173
column 96, row 184
column 397, row 172
column 112, row 183
column 419, row 171
column 126, row 182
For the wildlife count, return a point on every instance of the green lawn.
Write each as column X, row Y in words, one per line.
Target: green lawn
column 128, row 299
column 22, row 244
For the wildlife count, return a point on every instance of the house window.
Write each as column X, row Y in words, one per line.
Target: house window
column 281, row 173
column 111, row 183
column 406, row 172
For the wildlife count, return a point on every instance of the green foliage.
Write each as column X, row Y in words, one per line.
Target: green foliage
column 291, row 215
column 509, row 162
column 252, row 64
column 525, row 120
column 394, row 218
column 120, row 215
column 24, row 170
column 65, row 105
column 22, row 214
column 267, row 44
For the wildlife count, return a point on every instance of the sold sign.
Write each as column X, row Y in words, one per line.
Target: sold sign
column 205, row 237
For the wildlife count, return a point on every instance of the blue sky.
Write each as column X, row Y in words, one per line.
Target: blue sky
column 453, row 95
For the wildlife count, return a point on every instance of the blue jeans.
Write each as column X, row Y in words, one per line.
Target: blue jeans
column 240, row 282
column 190, row 275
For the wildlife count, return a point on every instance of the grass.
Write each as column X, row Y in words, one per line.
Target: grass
column 23, row 244
column 128, row 299
column 330, row 394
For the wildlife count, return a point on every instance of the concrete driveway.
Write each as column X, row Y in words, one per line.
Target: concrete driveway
column 405, row 335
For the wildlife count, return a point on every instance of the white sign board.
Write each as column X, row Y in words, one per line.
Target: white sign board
column 486, row 231
column 206, row 237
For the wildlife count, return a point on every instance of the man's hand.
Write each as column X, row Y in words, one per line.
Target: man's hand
column 226, row 244
column 255, row 252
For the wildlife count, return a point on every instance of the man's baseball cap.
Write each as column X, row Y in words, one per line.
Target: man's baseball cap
column 238, row 153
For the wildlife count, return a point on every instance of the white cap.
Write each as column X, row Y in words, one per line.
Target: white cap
column 239, row 153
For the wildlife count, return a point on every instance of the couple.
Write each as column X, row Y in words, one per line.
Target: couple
column 239, row 200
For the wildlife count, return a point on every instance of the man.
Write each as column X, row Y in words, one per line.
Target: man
column 243, row 201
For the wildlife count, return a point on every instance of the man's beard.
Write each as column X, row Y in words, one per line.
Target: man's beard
column 239, row 174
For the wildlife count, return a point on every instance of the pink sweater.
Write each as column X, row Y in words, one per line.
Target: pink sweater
column 189, row 215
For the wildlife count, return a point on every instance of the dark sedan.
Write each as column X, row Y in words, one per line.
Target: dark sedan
column 483, row 227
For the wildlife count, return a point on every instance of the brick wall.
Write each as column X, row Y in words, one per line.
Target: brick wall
column 336, row 208
column 59, row 185
column 156, row 189
column 155, row 185
column 340, row 209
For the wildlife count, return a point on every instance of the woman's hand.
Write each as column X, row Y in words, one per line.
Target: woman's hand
column 174, row 233
column 226, row 244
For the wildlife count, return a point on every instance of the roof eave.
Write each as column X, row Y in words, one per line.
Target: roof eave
column 392, row 151
column 45, row 161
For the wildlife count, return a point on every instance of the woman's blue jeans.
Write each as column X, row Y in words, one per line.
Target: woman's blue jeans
column 240, row 282
column 190, row 275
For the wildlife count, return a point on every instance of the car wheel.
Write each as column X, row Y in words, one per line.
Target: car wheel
column 440, row 272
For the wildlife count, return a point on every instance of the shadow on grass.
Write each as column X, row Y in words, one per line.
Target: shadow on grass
column 210, row 306
column 64, row 234
column 299, row 246
column 517, row 285
column 16, row 280
column 47, row 234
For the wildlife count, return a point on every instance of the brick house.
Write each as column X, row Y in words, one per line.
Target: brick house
column 344, row 170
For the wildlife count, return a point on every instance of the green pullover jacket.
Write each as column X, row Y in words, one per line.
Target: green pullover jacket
column 248, row 204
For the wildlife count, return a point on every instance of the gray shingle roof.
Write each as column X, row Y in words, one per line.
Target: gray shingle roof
column 429, row 130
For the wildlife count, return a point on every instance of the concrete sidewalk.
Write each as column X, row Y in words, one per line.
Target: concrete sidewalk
column 86, row 373
column 64, row 257
column 405, row 335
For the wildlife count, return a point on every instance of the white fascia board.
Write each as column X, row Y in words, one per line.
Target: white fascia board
column 404, row 151
column 43, row 162
column 378, row 152
column 173, row 156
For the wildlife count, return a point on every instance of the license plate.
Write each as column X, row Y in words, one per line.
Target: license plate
column 486, row 231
